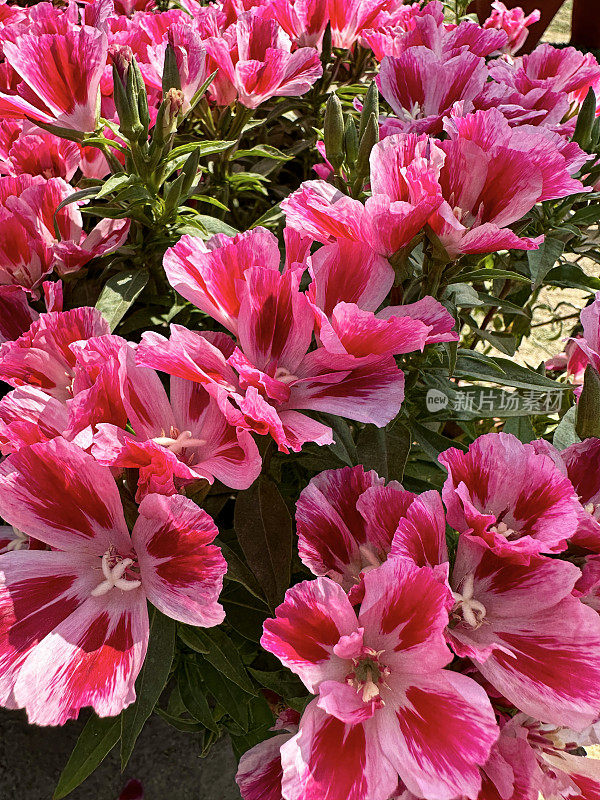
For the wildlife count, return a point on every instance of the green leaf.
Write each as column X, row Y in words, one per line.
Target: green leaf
column 588, row 407
column 114, row 183
column 570, row 276
column 96, row 740
column 520, row 427
column 263, row 151
column 565, row 434
column 180, row 724
column 189, row 636
column 586, row 216
column 343, row 446
column 203, row 148
column 433, row 443
column 259, row 729
column 119, row 294
column 489, row 274
column 238, row 571
column 150, row 682
column 264, row 529
column 384, row 449
column 543, row 260
column 220, row 651
column 281, row 682
column 233, row 700
column 214, row 225
column 192, row 695
column 502, row 371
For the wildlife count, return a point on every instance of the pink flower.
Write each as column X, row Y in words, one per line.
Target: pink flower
column 28, row 149
column 581, row 464
column 544, row 761
column 514, row 499
column 349, row 18
column 60, row 75
column 490, row 175
column 422, row 87
column 425, row 28
column 385, row 706
column 346, row 519
column 74, row 628
column 260, row 772
column 42, row 355
column 263, row 383
column 510, row 617
column 588, row 345
column 387, row 222
column 304, row 21
column 209, row 274
column 27, row 231
column 514, row 22
column 256, row 63
column 556, row 69
column 16, row 315
column 176, row 441
column 29, row 415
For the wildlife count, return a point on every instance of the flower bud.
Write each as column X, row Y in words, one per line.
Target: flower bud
column 368, row 141
column 370, row 106
column 585, row 121
column 334, row 132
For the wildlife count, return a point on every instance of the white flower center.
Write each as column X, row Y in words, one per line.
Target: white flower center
column 283, row 375
column 177, row 442
column 368, row 675
column 473, row 612
column 114, row 569
column 503, row 529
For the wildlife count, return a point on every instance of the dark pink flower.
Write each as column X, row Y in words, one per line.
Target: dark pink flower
column 175, row 441
column 74, row 628
column 272, row 375
column 16, row 315
column 42, row 356
column 60, row 75
column 514, row 22
column 346, row 519
column 256, row 62
column 25, row 148
column 304, row 21
column 423, row 87
column 510, row 617
column 511, row 497
column 385, row 708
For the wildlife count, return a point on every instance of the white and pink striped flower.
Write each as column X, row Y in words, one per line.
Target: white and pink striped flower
column 73, row 617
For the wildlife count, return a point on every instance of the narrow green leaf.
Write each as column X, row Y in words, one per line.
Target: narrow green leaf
column 264, row 529
column 119, row 294
column 281, row 682
column 489, row 274
column 190, row 689
column 238, row 571
column 96, row 740
column 114, row 183
column 233, row 700
column 384, row 449
column 150, row 682
column 263, row 151
column 220, row 651
column 588, row 408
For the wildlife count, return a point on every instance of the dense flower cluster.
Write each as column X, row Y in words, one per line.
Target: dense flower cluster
column 447, row 644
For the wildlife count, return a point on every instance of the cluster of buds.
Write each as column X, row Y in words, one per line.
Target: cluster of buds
column 347, row 148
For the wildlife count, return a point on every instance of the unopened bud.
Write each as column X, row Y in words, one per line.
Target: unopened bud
column 121, row 56
column 370, row 106
column 585, row 121
column 170, row 78
column 350, row 142
column 334, row 132
column 369, row 139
